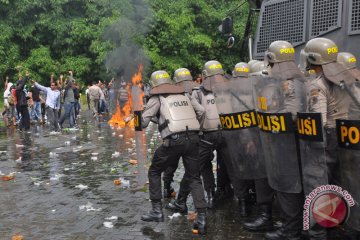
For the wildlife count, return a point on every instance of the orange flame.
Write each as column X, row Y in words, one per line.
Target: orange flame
column 117, row 118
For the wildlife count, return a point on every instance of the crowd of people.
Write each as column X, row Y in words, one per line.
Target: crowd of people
column 273, row 126
column 27, row 102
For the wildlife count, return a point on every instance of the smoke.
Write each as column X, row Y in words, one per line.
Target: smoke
column 126, row 34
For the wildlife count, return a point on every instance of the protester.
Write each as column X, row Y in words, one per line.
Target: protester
column 9, row 105
column 22, row 105
column 94, row 93
column 52, row 104
column 69, row 102
column 35, row 113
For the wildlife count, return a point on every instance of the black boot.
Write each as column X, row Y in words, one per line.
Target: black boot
column 156, row 214
column 200, row 223
column 168, row 190
column 276, row 235
column 282, row 234
column 263, row 222
column 243, row 207
column 210, row 198
column 178, row 205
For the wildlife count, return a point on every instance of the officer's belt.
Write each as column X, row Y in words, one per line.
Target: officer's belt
column 176, row 136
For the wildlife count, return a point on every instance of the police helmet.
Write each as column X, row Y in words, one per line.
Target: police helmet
column 160, row 77
column 348, row 60
column 320, row 51
column 241, row 69
column 280, row 51
column 212, row 68
column 182, row 74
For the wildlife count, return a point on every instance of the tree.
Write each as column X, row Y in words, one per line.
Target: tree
column 185, row 34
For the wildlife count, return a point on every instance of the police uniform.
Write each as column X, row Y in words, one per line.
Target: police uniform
column 182, row 78
column 215, row 139
column 283, row 96
column 332, row 101
column 178, row 128
column 264, row 193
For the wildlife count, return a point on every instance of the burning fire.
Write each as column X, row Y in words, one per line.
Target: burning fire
column 117, row 118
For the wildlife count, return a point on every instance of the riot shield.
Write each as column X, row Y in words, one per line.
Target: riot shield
column 312, row 146
column 348, row 136
column 235, row 104
column 277, row 102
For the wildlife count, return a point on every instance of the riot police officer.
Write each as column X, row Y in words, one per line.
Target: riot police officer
column 348, row 60
column 226, row 144
column 279, row 98
column 327, row 97
column 178, row 128
column 210, row 138
column 349, row 157
column 182, row 77
column 264, row 193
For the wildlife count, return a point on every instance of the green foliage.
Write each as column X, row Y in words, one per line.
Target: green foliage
column 55, row 36
column 185, row 34
column 59, row 35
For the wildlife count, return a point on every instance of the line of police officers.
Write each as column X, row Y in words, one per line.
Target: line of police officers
column 271, row 125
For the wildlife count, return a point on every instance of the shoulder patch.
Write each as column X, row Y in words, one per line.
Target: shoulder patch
column 314, row 92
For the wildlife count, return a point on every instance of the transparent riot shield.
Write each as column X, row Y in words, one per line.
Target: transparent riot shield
column 348, row 136
column 235, row 104
column 312, row 145
column 277, row 103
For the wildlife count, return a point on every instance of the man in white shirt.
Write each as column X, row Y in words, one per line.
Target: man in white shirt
column 52, row 104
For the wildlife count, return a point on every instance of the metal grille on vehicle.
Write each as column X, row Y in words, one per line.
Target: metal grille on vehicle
column 325, row 16
column 354, row 17
column 275, row 23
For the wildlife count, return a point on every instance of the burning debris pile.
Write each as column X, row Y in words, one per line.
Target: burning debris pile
column 125, row 110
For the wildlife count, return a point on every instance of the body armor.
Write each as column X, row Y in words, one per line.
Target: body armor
column 178, row 113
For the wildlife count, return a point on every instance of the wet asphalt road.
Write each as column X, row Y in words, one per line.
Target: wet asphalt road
column 64, row 189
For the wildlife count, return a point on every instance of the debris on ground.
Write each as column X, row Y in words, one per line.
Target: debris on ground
column 89, row 207
column 56, row 177
column 175, row 215
column 108, row 224
column 8, row 177
column 112, row 218
column 81, row 187
column 133, row 161
column 115, row 154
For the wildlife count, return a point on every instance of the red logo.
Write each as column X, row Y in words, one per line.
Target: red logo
column 329, row 210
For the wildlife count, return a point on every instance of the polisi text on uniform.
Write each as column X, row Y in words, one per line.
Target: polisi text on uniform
column 162, row 75
column 350, row 134
column 307, row 127
column 215, row 66
column 242, row 70
column 352, row 60
column 184, row 73
column 238, row 120
column 287, row 50
column 332, row 50
column 210, row 101
column 179, row 104
column 271, row 123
